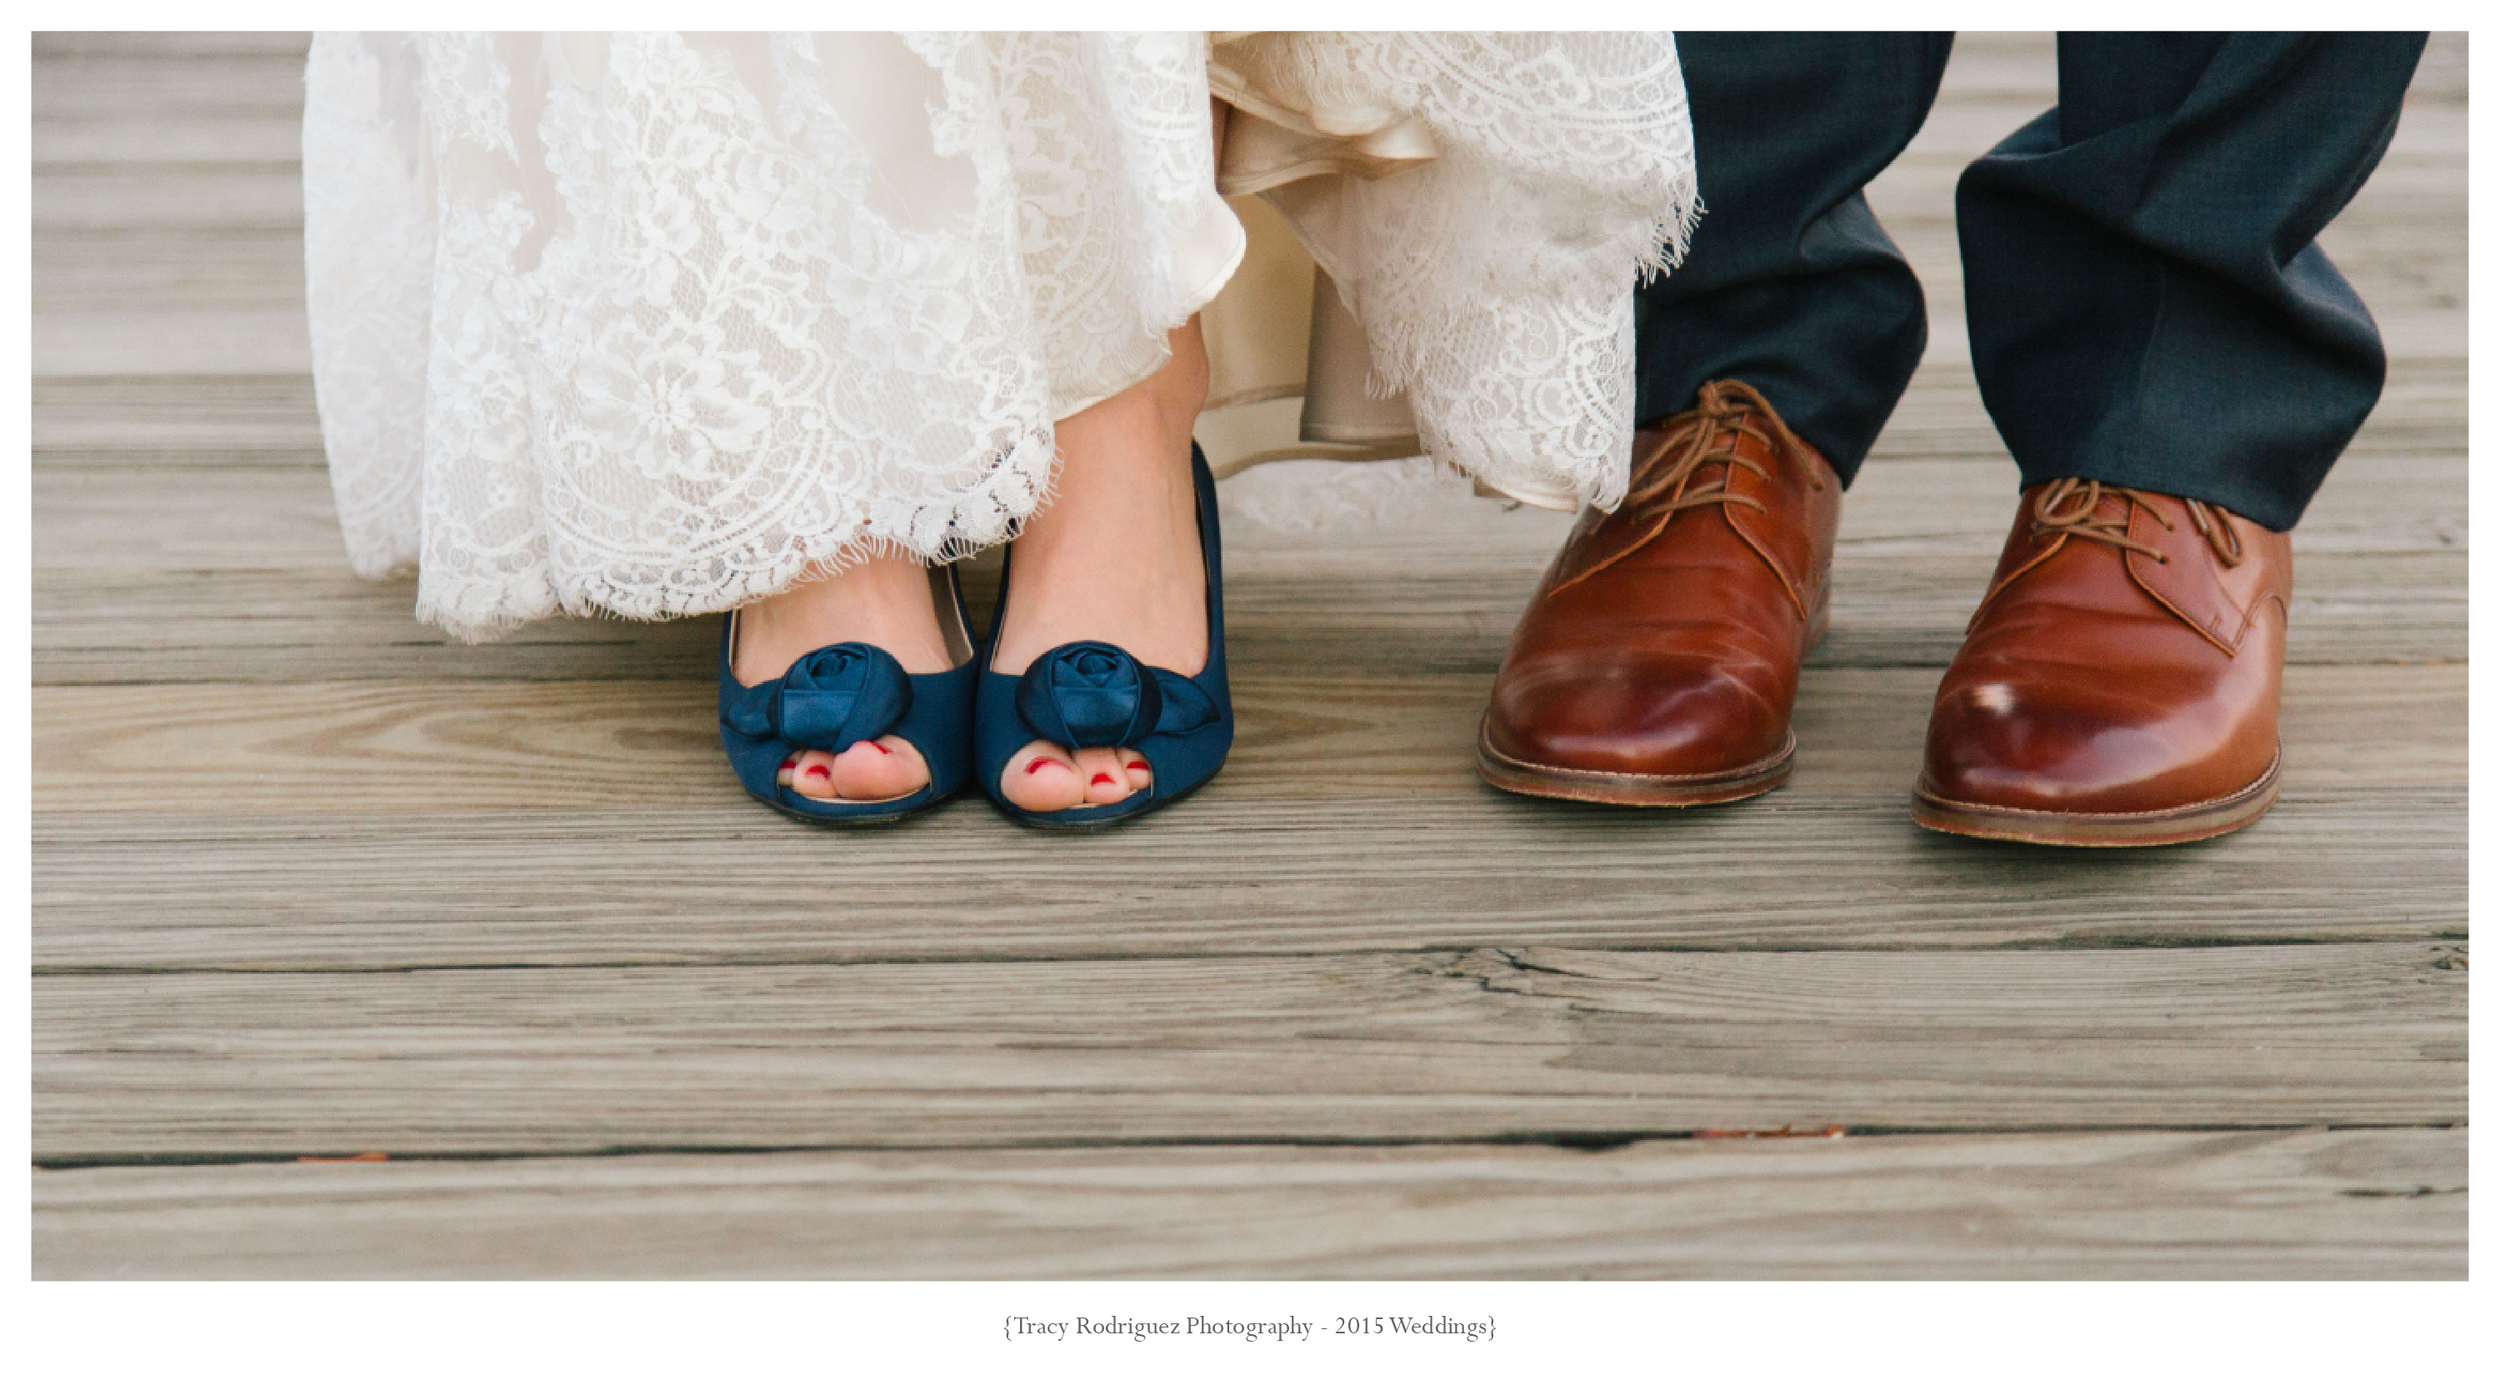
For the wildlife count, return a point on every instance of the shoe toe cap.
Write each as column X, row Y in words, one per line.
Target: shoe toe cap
column 1667, row 719
column 2003, row 744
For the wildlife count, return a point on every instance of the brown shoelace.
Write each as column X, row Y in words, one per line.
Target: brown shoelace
column 2068, row 505
column 1725, row 409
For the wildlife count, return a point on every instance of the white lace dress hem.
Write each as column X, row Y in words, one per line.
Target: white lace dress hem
column 657, row 324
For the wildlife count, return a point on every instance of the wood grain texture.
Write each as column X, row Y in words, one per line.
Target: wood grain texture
column 51, row 47
column 1321, row 739
column 254, row 627
column 734, row 883
column 99, row 270
column 309, row 879
column 266, row 197
column 1890, row 611
column 208, row 343
column 2246, row 1205
column 136, row 518
column 137, row 426
column 213, row 574
column 1470, row 1044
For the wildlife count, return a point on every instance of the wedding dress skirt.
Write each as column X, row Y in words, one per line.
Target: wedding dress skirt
column 654, row 324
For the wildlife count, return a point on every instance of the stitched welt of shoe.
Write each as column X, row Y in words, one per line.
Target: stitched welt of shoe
column 2127, row 659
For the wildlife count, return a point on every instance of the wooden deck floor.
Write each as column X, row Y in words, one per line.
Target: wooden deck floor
column 311, row 883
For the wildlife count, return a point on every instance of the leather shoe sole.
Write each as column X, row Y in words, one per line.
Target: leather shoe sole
column 2109, row 830
column 1632, row 789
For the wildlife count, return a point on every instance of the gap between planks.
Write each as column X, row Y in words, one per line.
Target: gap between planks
column 132, row 518
column 2364, row 1204
column 1465, row 1044
column 1321, row 739
column 1891, row 610
column 734, row 884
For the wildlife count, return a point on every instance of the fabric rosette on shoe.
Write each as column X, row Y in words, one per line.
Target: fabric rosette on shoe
column 1090, row 695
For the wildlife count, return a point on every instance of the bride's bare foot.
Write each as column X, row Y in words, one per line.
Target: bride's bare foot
column 885, row 602
column 1113, row 557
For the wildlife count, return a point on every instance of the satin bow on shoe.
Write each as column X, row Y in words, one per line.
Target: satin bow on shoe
column 836, row 697
column 831, row 699
column 1091, row 695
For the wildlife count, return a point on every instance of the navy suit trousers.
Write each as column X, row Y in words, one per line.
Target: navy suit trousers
column 2146, row 298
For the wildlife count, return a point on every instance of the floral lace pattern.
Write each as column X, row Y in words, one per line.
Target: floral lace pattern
column 654, row 324
column 1494, row 282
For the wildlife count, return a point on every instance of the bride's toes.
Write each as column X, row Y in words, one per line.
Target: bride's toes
column 1106, row 777
column 1042, row 778
column 809, row 773
column 874, row 770
column 1134, row 768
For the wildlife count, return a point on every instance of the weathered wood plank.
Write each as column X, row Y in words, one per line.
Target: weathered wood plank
column 168, row 266
column 249, row 79
column 199, row 343
column 333, row 748
column 269, row 141
column 129, row 269
column 730, row 882
column 53, row 47
column 1472, row 1044
column 1901, row 612
column 2370, row 1204
column 2440, row 79
column 192, row 196
column 135, row 427
column 137, row 519
column 173, row 576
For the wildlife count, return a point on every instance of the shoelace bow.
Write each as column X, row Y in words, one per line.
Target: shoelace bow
column 1724, row 410
column 2058, row 510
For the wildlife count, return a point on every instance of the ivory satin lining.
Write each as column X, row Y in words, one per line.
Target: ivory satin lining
column 1290, row 367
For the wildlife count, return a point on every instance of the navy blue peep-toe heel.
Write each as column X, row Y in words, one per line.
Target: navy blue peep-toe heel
column 1094, row 695
column 837, row 696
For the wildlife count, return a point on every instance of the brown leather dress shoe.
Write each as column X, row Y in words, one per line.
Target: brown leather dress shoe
column 2119, row 682
column 1657, row 664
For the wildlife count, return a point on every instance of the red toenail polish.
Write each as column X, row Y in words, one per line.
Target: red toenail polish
column 1137, row 763
column 819, row 771
column 1102, row 778
column 880, row 748
column 1036, row 765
